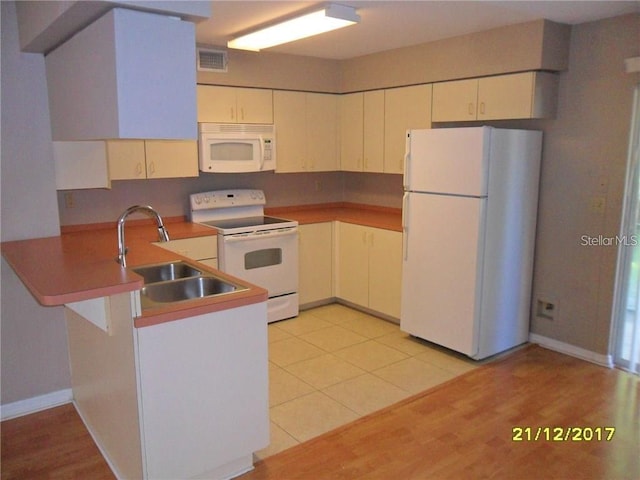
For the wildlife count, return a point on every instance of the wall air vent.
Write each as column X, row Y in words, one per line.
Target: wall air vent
column 212, row 60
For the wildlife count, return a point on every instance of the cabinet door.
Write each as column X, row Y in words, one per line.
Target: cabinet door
column 216, row 104
column 506, row 96
column 198, row 413
column 290, row 119
column 126, row 159
column 81, row 165
column 316, row 262
column 254, row 105
column 322, row 132
column 353, row 263
column 404, row 108
column 385, row 271
column 351, row 131
column 171, row 158
column 455, row 101
column 373, row 131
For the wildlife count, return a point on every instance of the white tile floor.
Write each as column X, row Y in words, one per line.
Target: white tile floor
column 332, row 364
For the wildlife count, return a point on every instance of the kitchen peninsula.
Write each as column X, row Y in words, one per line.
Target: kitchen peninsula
column 136, row 376
column 158, row 391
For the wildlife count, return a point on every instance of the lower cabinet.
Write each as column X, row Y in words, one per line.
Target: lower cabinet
column 369, row 267
column 315, row 257
column 181, row 399
column 204, row 393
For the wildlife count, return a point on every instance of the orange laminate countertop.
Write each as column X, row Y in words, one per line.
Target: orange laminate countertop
column 369, row 215
column 80, row 264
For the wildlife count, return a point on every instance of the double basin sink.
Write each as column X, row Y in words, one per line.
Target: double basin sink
column 179, row 281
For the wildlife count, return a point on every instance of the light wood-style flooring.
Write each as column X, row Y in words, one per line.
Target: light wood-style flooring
column 460, row 429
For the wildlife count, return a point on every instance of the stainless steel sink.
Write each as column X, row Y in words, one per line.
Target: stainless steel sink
column 187, row 289
column 179, row 281
column 163, row 272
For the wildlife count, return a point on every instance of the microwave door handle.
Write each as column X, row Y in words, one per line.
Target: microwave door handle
column 261, row 152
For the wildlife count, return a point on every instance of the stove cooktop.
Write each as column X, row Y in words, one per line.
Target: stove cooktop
column 247, row 223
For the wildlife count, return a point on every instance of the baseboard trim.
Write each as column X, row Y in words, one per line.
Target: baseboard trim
column 35, row 404
column 572, row 350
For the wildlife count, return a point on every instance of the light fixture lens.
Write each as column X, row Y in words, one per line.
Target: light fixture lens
column 321, row 21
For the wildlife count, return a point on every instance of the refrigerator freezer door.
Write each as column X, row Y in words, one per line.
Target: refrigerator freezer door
column 441, row 286
column 448, row 160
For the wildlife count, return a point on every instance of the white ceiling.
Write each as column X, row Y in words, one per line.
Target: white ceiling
column 387, row 25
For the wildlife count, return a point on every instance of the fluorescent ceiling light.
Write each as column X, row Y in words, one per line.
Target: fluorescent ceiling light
column 330, row 18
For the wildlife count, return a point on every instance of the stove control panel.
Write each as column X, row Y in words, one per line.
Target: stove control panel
column 226, row 199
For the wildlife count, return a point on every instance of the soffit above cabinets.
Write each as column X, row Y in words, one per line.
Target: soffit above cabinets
column 129, row 74
column 44, row 25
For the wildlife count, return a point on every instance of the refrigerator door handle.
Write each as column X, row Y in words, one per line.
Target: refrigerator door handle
column 405, row 226
column 407, row 160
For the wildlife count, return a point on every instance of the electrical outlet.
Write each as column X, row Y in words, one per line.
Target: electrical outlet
column 68, row 200
column 546, row 309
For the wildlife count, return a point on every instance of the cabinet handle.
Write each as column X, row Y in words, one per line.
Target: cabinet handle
column 482, row 108
column 138, row 169
column 152, row 169
column 231, row 113
column 242, row 113
column 471, row 109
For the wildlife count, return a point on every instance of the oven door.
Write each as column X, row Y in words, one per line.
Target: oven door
column 267, row 258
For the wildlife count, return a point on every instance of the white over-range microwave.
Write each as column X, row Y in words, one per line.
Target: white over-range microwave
column 236, row 147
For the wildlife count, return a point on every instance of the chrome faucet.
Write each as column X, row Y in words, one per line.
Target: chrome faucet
column 162, row 232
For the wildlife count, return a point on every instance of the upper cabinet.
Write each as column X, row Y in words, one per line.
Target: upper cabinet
column 132, row 159
column 80, row 165
column 322, row 132
column 373, row 131
column 129, row 74
column 94, row 164
column 362, row 131
column 306, row 132
column 404, row 108
column 234, row 104
column 514, row 96
column 351, row 131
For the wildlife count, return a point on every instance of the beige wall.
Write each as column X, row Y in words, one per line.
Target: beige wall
column 34, row 345
column 273, row 70
column 585, row 152
column 537, row 45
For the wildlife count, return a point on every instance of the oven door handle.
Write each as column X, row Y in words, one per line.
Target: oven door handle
column 285, row 232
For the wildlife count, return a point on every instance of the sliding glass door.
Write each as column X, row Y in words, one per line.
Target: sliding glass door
column 627, row 296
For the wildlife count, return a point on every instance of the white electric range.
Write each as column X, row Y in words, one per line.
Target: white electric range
column 260, row 249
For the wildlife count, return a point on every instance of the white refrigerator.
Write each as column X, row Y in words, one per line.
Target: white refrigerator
column 469, row 221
